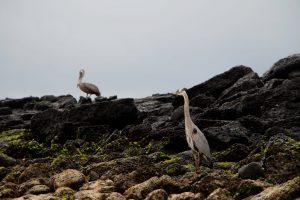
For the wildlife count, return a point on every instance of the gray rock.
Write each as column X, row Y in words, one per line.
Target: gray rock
column 69, row 178
column 63, row 125
column 158, row 194
column 252, row 171
column 288, row 67
column 17, row 103
column 39, row 189
column 6, row 161
column 224, row 136
column 5, row 111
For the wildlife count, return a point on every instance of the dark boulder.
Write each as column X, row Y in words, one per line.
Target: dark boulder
column 288, row 67
column 5, row 111
column 222, row 137
column 17, row 103
column 216, row 85
column 63, row 125
column 252, row 170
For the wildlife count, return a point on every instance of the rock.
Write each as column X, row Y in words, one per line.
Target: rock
column 252, row 170
column 64, row 191
column 101, row 186
column 101, row 99
column 202, row 101
column 50, row 98
column 39, row 189
column 214, row 180
column 42, row 105
column 252, row 123
column 158, row 194
column 187, row 196
column 3, row 172
column 17, row 103
column 63, row 125
column 288, row 191
column 83, row 100
column 220, row 194
column 6, row 161
column 90, row 195
column 224, row 136
column 69, row 178
column 5, row 111
column 216, row 85
column 282, row 158
column 250, row 187
column 140, row 191
column 247, row 82
column 65, row 101
column 115, row 196
column 36, row 170
column 234, row 153
column 288, row 67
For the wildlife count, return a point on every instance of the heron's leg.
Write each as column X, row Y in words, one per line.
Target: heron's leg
column 196, row 158
column 198, row 163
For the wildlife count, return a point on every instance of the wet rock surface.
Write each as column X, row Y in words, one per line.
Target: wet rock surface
column 109, row 148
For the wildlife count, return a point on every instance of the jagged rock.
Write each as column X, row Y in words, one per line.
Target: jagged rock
column 50, row 98
column 90, row 194
column 42, row 105
column 101, row 186
column 187, row 196
column 8, row 190
column 224, row 136
column 216, row 85
column 65, row 101
column 158, row 194
column 36, row 170
column 5, row 111
column 214, row 180
column 115, row 196
column 288, row 191
column 26, row 186
column 288, row 67
column 39, row 189
column 69, row 178
column 17, row 103
column 64, row 191
column 6, row 160
column 250, row 187
column 234, row 153
column 247, row 82
column 252, row 170
column 140, row 191
column 282, row 158
column 220, row 194
column 3, row 172
column 63, row 125
column 83, row 100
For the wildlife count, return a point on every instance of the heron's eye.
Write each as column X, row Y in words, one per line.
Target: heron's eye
column 194, row 130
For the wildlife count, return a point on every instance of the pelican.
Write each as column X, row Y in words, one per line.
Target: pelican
column 195, row 138
column 88, row 88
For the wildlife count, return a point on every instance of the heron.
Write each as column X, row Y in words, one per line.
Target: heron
column 195, row 138
column 88, row 88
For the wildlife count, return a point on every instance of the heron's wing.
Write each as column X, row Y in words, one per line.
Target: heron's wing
column 200, row 141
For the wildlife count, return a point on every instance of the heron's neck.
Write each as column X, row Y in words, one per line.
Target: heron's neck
column 187, row 117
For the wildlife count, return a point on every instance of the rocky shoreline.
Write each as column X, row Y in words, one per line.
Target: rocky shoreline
column 57, row 148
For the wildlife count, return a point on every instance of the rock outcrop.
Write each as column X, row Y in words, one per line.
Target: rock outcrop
column 57, row 148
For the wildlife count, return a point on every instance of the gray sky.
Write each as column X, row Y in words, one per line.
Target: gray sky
column 135, row 48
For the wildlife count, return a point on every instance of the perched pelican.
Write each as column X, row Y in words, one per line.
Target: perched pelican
column 88, row 88
column 195, row 138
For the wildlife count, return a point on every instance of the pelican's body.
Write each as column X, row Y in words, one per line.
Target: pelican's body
column 88, row 88
column 194, row 136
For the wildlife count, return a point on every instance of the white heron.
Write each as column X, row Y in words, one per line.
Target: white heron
column 88, row 88
column 194, row 136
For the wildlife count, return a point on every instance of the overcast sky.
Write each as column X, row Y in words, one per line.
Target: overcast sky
column 136, row 48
